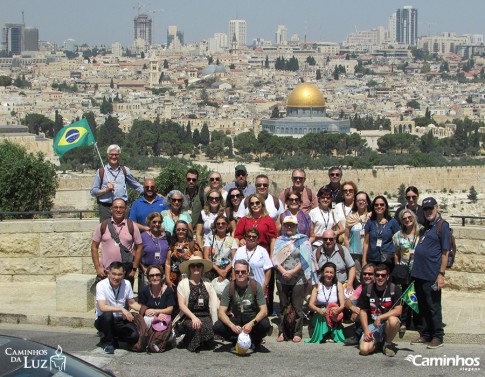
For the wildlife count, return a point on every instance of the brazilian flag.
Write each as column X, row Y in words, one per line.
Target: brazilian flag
column 75, row 135
column 410, row 298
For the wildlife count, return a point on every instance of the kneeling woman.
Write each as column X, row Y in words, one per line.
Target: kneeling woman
column 327, row 302
column 198, row 302
column 157, row 301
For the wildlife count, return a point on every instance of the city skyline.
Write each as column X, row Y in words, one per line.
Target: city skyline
column 111, row 21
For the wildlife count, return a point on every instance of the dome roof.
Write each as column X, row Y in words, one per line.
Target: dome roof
column 213, row 68
column 306, row 95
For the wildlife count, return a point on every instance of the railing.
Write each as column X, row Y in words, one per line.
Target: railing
column 463, row 218
column 48, row 214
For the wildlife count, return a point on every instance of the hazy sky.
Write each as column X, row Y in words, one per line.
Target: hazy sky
column 108, row 21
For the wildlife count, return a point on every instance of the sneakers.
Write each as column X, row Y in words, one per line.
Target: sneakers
column 389, row 350
column 109, row 349
column 352, row 341
column 402, row 331
column 420, row 340
column 435, row 343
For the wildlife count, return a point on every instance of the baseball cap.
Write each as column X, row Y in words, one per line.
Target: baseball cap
column 241, row 168
column 429, row 202
column 161, row 324
column 243, row 343
column 290, row 219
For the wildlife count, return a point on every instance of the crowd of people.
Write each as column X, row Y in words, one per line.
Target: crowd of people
column 209, row 259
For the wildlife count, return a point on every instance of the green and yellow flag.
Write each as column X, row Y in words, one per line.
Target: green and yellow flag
column 75, row 135
column 410, row 298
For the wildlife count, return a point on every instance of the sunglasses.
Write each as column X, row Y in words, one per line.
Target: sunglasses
column 240, row 272
column 257, row 203
column 298, row 178
column 262, row 184
column 156, row 222
column 367, row 273
column 196, row 265
column 149, row 187
column 235, row 196
column 253, row 238
column 294, row 200
column 348, row 190
column 328, row 239
column 191, row 179
column 216, row 179
column 428, row 208
column 240, row 173
column 221, row 224
column 176, row 200
column 214, row 198
column 379, row 205
column 380, row 275
column 151, row 276
column 411, row 197
column 334, row 174
column 407, row 218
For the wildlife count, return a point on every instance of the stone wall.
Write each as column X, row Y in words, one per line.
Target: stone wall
column 41, row 250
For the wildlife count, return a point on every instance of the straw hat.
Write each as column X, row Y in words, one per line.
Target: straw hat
column 195, row 259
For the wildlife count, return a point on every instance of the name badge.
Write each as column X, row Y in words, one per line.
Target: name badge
column 157, row 255
column 200, row 301
column 379, row 242
column 333, row 205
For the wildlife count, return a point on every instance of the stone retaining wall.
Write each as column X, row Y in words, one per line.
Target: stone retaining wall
column 41, row 250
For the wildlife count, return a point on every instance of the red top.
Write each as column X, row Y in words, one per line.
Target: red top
column 265, row 226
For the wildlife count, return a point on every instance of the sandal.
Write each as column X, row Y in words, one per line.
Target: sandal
column 296, row 339
column 281, row 338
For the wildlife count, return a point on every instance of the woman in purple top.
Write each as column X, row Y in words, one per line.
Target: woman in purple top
column 293, row 204
column 155, row 246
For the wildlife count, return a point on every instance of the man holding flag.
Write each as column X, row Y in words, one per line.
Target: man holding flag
column 111, row 182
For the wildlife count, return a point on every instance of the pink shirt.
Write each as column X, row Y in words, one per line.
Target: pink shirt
column 110, row 250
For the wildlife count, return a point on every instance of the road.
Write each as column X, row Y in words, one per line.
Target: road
column 287, row 359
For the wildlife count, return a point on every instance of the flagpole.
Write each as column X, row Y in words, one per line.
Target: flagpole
column 99, row 154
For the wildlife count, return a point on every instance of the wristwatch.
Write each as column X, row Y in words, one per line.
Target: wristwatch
column 441, row 273
column 255, row 322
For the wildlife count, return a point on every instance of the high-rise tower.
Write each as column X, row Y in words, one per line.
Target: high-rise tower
column 237, row 32
column 13, row 38
column 281, row 35
column 143, row 28
column 407, row 25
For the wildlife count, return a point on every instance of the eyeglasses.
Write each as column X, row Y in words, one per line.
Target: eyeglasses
column 348, row 190
column 334, row 174
column 252, row 238
column 262, row 184
column 380, row 275
column 214, row 198
column 156, row 222
column 293, row 200
column 216, row 179
column 181, row 230
column 235, row 196
column 240, row 173
column 379, row 204
column 117, row 208
column 298, row 178
column 411, row 197
column 257, row 203
column 240, row 272
column 196, row 265
column 151, row 276
column 367, row 274
column 328, row 239
column 175, row 200
column 191, row 179
column 221, row 224
column 407, row 218
column 149, row 187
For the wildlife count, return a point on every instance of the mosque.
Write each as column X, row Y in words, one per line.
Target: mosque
column 306, row 113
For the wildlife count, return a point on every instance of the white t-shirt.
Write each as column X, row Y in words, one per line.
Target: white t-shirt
column 258, row 261
column 270, row 207
column 341, row 212
column 113, row 296
column 322, row 220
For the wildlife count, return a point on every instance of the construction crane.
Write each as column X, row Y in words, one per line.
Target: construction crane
column 138, row 6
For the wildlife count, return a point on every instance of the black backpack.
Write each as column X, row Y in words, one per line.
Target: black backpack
column 452, row 253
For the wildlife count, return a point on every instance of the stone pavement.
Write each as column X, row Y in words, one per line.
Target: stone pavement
column 35, row 303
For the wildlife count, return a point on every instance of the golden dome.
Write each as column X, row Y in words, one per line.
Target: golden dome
column 306, row 95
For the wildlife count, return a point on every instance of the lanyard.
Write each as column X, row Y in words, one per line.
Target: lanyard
column 329, row 294
column 116, row 292
column 325, row 222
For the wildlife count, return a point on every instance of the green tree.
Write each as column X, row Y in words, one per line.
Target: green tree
column 414, row 104
column 37, row 176
column 39, row 123
column 196, row 138
column 472, row 195
column 58, row 122
column 172, row 176
column 106, row 107
column 204, row 135
column 165, row 64
column 5, row 80
column 311, row 60
column 426, row 67
column 266, row 62
column 245, row 143
column 401, row 194
column 111, row 84
column 110, row 133
column 275, row 112
column 318, row 74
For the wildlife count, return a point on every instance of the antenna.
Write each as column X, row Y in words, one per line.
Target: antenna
column 23, row 20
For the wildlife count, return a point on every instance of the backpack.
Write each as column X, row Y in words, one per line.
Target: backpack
column 101, row 174
column 318, row 253
column 232, row 289
column 393, row 292
column 150, row 340
column 131, row 227
column 452, row 251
